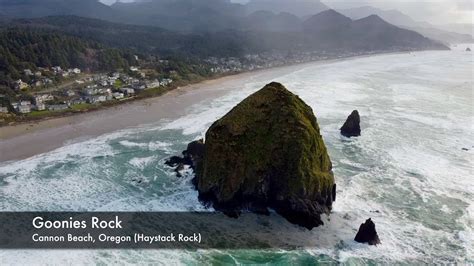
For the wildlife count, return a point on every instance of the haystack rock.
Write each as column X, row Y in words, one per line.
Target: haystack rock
column 351, row 127
column 267, row 153
column 367, row 233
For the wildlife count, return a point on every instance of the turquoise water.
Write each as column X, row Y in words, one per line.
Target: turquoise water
column 407, row 172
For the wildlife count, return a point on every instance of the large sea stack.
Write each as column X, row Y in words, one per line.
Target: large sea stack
column 268, row 152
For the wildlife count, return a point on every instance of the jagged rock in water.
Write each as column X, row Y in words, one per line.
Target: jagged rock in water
column 468, row 49
column 192, row 156
column 351, row 127
column 367, row 233
column 267, row 152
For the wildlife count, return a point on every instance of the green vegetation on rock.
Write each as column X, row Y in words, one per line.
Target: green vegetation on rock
column 268, row 152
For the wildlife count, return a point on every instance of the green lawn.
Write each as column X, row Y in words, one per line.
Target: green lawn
column 118, row 84
column 80, row 107
column 39, row 113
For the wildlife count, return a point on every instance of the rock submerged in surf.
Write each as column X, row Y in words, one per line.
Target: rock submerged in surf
column 351, row 127
column 192, row 157
column 367, row 233
column 267, row 152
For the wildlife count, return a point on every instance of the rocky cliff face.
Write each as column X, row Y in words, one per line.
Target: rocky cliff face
column 267, row 152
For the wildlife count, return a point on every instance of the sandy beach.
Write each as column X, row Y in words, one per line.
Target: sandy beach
column 25, row 140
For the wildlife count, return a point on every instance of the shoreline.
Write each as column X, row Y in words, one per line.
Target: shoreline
column 23, row 140
column 70, row 113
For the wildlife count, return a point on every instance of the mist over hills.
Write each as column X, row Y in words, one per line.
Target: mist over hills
column 213, row 15
column 398, row 18
column 203, row 28
column 301, row 8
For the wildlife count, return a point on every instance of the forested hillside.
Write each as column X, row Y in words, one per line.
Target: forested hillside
column 26, row 48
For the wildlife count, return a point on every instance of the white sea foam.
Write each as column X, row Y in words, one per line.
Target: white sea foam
column 407, row 171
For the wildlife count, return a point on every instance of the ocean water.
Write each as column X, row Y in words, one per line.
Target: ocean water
column 408, row 171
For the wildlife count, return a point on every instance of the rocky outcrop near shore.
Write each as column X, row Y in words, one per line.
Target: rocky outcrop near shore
column 265, row 153
column 351, row 127
column 192, row 157
column 367, row 233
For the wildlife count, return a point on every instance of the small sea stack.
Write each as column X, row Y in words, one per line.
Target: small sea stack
column 367, row 233
column 351, row 127
column 468, row 49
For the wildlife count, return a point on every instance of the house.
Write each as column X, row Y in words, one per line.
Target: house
column 47, row 81
column 78, row 81
column 3, row 109
column 128, row 91
column 74, row 71
column 101, row 98
column 37, row 83
column 134, row 69
column 78, row 101
column 40, row 107
column 69, row 93
column 139, row 87
column 90, row 91
column 24, row 109
column 20, row 85
column 165, row 82
column 153, row 84
column 38, row 74
column 28, row 72
column 96, row 99
column 43, row 97
column 57, row 107
column 25, row 103
column 118, row 95
column 57, row 69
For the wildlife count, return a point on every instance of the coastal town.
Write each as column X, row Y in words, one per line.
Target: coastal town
column 56, row 90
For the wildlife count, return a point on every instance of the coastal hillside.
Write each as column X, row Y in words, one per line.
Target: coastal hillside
column 22, row 48
column 264, row 32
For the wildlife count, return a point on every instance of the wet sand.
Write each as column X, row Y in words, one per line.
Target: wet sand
column 28, row 139
column 25, row 140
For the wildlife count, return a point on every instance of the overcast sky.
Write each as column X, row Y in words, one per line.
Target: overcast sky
column 433, row 11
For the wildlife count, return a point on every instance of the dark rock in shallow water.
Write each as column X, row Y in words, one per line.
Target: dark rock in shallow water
column 174, row 161
column 268, row 152
column 351, row 127
column 468, row 49
column 367, row 233
column 465, row 149
column 192, row 156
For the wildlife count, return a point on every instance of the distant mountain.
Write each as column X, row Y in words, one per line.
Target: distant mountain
column 331, row 29
column 461, row 28
column 299, row 8
column 268, row 21
column 182, row 15
column 443, row 36
column 327, row 22
column 392, row 16
column 398, row 18
column 36, row 8
column 328, row 31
